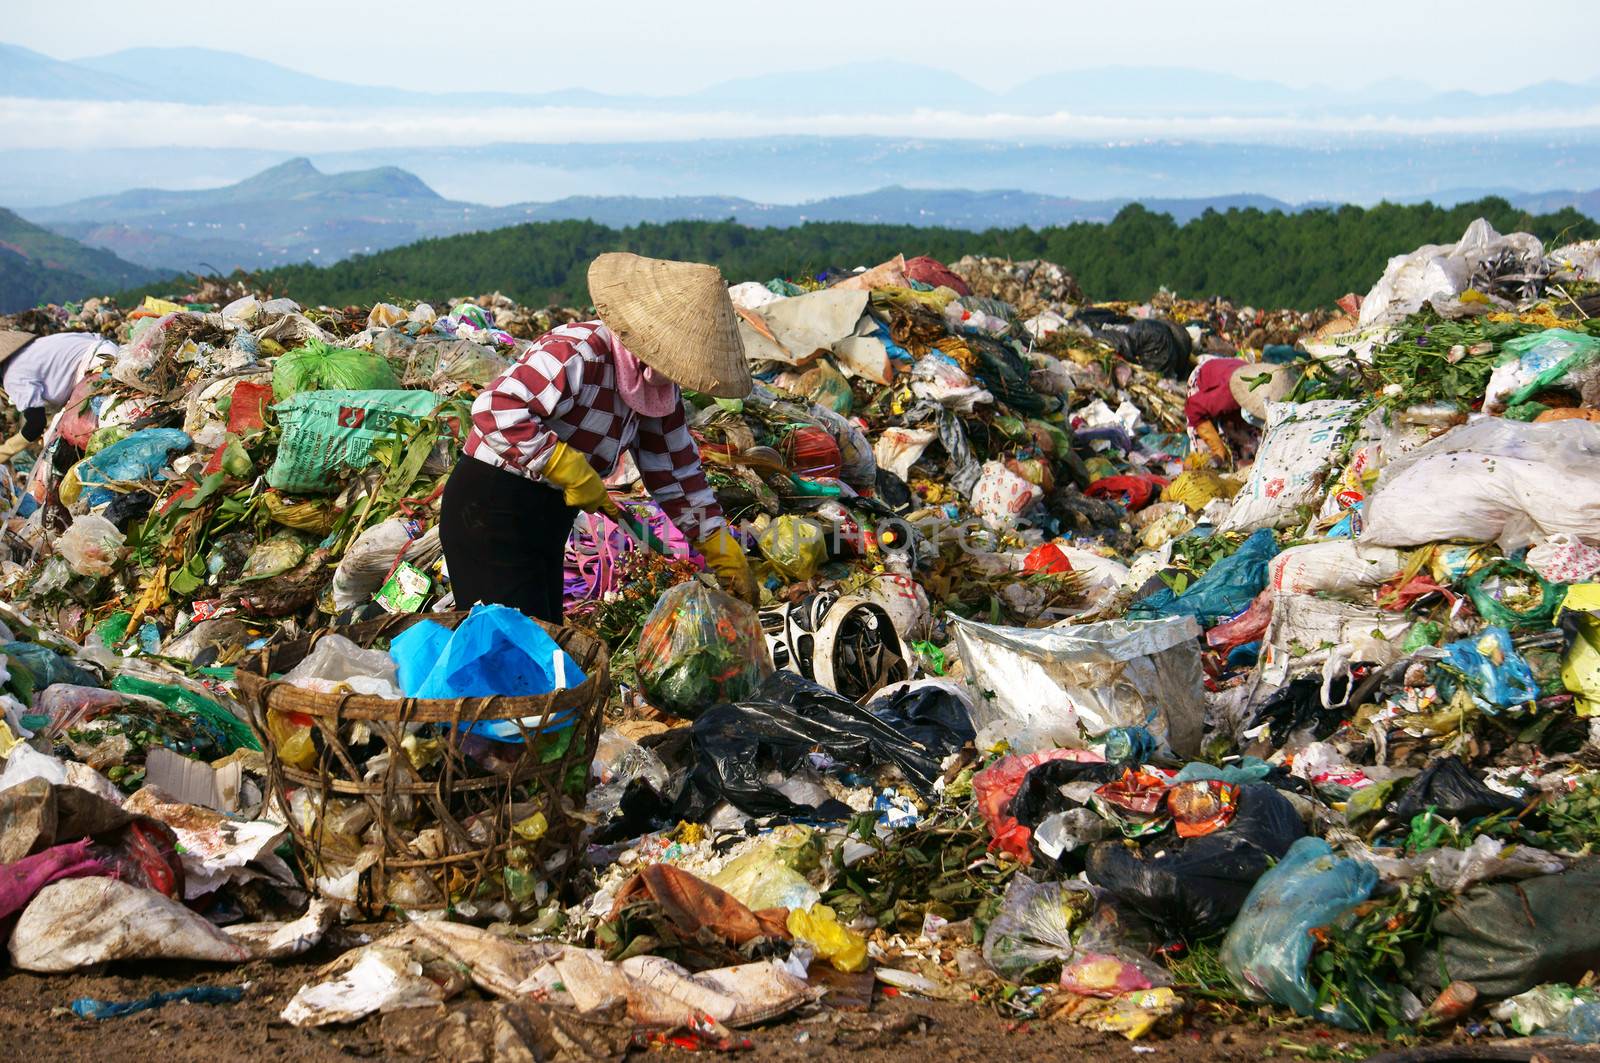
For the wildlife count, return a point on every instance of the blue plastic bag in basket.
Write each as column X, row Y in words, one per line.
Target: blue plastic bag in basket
column 495, row 650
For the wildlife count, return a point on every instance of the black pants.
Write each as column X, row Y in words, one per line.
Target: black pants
column 504, row 539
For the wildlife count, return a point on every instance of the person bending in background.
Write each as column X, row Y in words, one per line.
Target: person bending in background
column 38, row 374
column 547, row 431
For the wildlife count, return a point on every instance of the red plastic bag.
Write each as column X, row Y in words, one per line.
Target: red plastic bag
column 1248, row 626
column 78, row 419
column 1047, row 558
column 932, row 271
column 1134, row 492
column 996, row 786
column 248, row 410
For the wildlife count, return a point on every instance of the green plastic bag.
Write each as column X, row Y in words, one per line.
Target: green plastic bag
column 1537, row 598
column 329, row 433
column 1574, row 349
column 319, row 367
column 180, row 699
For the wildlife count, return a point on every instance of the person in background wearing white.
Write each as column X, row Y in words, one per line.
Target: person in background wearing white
column 38, row 374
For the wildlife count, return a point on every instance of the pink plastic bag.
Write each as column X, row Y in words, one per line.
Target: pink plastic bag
column 1094, row 974
column 19, row 882
column 597, row 546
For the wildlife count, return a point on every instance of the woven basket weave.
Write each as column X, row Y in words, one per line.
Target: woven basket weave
column 464, row 810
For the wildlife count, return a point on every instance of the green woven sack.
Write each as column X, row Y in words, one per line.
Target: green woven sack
column 329, row 433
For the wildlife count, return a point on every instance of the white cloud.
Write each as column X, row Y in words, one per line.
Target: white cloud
column 76, row 124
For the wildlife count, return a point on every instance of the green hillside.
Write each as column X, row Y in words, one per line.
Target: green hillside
column 1303, row 259
column 37, row 265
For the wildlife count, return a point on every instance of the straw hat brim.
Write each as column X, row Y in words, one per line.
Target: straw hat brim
column 1254, row 401
column 12, row 341
column 676, row 317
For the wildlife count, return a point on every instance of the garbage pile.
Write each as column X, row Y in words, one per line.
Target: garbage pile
column 1111, row 660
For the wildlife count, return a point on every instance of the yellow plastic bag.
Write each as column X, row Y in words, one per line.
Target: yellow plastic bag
column 302, row 515
column 759, row 879
column 1133, row 1014
column 772, row 873
column 71, row 487
column 796, row 547
column 293, row 740
column 161, row 306
column 833, row 941
column 1580, row 668
column 1196, row 487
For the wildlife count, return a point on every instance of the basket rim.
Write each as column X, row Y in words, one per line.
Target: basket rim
column 263, row 693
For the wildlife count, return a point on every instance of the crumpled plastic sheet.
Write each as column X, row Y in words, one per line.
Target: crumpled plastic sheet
column 1062, row 685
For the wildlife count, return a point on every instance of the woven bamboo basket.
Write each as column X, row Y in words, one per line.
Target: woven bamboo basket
column 452, row 828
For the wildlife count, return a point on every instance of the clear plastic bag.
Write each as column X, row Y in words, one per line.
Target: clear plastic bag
column 376, row 551
column 699, row 648
column 274, row 556
column 445, row 364
column 618, row 760
column 92, row 546
column 137, row 360
column 69, row 705
column 1035, row 926
column 335, row 663
column 1458, row 870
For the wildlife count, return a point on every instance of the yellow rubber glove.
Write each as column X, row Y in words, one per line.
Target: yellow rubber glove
column 725, row 557
column 12, row 447
column 570, row 470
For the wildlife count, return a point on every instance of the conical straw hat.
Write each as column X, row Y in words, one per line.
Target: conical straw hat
column 1254, row 401
column 12, row 341
column 676, row 317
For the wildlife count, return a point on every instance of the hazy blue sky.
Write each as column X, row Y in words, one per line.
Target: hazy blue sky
column 679, row 45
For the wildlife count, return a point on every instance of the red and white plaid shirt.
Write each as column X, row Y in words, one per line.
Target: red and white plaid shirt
column 565, row 389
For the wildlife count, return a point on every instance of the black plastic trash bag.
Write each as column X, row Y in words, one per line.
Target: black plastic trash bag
column 930, row 715
column 1040, row 797
column 1158, row 345
column 1008, row 376
column 1192, row 888
column 792, row 723
column 1507, row 937
column 1296, row 706
column 1449, row 788
column 1040, row 794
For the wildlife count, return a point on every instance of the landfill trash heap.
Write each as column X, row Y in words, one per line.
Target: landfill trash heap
column 1113, row 663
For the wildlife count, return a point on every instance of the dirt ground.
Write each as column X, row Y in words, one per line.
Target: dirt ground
column 37, row 1026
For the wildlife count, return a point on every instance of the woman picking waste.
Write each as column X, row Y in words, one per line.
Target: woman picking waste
column 545, row 432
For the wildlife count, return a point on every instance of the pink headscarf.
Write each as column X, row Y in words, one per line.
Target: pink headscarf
column 643, row 388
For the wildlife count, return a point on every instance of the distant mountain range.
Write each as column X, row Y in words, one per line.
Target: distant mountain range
column 798, row 169
column 200, row 76
column 294, row 212
column 37, row 265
